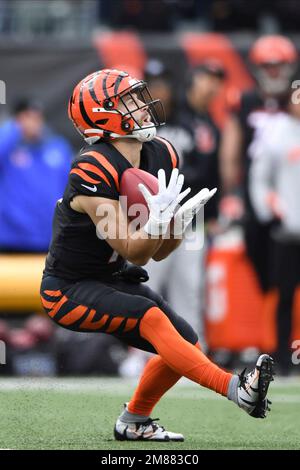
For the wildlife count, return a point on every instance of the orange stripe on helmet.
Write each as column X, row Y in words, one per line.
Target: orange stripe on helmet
column 110, row 82
column 84, row 120
column 94, row 169
column 88, row 323
column 105, row 84
column 92, row 89
column 171, row 151
column 73, row 315
column 84, row 176
column 105, row 163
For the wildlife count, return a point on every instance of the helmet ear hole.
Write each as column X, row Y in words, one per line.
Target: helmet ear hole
column 108, row 104
column 126, row 126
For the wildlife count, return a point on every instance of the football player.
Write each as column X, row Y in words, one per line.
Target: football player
column 88, row 284
column 273, row 61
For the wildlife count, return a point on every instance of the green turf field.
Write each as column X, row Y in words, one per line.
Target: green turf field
column 80, row 414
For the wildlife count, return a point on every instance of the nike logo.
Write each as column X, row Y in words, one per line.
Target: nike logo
column 94, row 188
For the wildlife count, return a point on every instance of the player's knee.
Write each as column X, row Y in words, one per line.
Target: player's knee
column 155, row 317
column 185, row 329
column 156, row 320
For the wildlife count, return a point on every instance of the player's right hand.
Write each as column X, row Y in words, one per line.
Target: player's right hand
column 163, row 204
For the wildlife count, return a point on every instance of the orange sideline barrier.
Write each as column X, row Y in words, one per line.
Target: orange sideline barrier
column 238, row 315
column 235, row 302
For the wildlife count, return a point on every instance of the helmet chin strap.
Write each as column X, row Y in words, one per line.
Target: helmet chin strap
column 144, row 135
column 140, row 134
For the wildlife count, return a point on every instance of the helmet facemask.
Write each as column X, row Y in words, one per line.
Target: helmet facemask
column 142, row 130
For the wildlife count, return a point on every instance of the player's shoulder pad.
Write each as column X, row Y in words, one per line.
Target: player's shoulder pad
column 93, row 165
column 167, row 149
column 93, row 174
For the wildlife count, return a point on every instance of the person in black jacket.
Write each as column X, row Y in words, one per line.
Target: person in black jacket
column 180, row 276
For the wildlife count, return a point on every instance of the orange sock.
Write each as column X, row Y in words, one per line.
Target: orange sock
column 180, row 355
column 156, row 380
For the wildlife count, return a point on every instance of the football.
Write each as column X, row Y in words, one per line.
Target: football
column 135, row 203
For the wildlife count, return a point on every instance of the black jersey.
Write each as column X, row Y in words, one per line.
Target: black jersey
column 200, row 161
column 75, row 250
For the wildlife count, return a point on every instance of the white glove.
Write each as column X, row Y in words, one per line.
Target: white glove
column 185, row 214
column 162, row 205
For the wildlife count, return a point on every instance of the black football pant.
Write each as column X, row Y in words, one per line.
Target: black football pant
column 113, row 307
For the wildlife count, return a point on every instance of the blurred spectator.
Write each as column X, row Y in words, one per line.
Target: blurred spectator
column 274, row 60
column 180, row 276
column 34, row 165
column 161, row 86
column 201, row 163
column 275, row 194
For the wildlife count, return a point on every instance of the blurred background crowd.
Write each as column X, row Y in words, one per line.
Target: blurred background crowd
column 226, row 72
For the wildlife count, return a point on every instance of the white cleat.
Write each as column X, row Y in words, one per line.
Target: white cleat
column 146, row 431
column 253, row 387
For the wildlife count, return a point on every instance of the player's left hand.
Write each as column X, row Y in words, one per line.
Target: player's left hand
column 185, row 214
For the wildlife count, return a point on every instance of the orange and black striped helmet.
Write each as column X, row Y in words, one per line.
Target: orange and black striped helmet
column 93, row 107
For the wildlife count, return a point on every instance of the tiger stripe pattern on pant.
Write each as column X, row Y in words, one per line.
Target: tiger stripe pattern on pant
column 69, row 314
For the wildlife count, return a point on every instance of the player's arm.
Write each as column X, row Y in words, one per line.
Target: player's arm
column 230, row 154
column 166, row 248
column 112, row 225
column 137, row 246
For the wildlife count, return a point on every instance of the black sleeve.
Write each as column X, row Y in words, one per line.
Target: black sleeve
column 93, row 176
column 170, row 153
